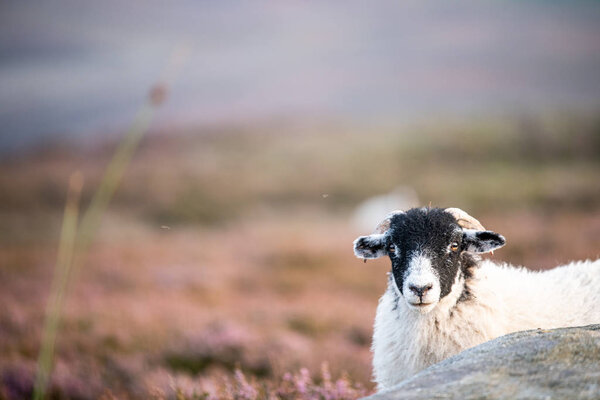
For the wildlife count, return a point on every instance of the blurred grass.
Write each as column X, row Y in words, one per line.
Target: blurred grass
column 212, row 176
column 75, row 240
column 468, row 165
column 59, row 286
column 230, row 248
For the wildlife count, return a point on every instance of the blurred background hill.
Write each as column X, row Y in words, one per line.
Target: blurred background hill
column 228, row 244
column 70, row 67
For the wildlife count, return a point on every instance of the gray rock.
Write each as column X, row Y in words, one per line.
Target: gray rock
column 537, row 364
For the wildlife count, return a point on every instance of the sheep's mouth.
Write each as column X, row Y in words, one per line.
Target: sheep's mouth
column 420, row 304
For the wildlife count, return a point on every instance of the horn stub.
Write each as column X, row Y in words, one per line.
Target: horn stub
column 465, row 220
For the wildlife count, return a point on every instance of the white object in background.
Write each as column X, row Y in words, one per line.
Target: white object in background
column 371, row 211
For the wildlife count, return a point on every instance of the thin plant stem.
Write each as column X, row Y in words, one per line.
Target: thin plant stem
column 124, row 152
column 59, row 284
column 112, row 177
column 75, row 242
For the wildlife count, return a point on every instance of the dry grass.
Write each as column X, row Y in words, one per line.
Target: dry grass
column 221, row 253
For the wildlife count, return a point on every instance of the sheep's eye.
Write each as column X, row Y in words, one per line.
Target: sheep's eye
column 392, row 248
column 454, row 246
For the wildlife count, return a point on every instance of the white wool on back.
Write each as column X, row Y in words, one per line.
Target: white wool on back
column 504, row 299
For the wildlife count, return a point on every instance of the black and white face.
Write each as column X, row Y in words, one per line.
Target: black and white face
column 427, row 249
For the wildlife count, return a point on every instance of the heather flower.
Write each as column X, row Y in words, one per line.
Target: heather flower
column 244, row 391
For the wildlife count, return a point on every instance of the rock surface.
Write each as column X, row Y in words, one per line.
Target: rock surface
column 538, row 364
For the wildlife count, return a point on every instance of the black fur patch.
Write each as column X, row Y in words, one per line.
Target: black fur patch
column 492, row 237
column 482, row 241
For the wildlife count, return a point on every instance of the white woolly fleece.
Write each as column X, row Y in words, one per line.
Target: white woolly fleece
column 504, row 299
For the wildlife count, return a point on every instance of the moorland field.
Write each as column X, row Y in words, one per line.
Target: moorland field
column 230, row 248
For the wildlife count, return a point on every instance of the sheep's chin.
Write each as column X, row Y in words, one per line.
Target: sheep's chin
column 422, row 309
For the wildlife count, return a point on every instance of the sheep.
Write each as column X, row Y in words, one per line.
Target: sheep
column 442, row 298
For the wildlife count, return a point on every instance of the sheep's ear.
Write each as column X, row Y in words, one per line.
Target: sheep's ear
column 476, row 241
column 372, row 246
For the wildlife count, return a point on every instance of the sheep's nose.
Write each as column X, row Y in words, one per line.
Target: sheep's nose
column 420, row 290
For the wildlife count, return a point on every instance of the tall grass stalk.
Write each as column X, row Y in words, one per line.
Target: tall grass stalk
column 112, row 177
column 74, row 241
column 59, row 283
column 125, row 150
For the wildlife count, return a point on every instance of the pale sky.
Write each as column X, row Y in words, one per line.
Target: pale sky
column 84, row 67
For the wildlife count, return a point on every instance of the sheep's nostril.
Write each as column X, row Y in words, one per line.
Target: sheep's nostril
column 420, row 290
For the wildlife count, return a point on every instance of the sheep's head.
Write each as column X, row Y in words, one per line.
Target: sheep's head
column 429, row 249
